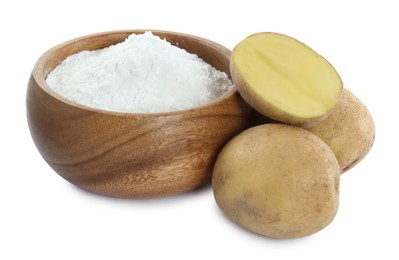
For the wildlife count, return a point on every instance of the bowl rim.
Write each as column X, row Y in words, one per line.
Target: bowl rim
column 39, row 74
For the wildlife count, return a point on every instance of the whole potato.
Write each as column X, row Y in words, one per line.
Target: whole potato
column 349, row 130
column 277, row 180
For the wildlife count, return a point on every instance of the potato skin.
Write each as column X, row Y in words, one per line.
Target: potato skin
column 349, row 130
column 277, row 180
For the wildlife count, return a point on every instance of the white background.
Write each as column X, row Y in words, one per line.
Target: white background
column 44, row 217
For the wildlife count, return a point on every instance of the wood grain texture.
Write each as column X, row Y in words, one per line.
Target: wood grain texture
column 131, row 155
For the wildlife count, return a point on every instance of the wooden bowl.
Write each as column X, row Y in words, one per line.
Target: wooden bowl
column 131, row 155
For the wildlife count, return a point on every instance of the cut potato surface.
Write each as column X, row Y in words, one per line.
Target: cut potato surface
column 284, row 79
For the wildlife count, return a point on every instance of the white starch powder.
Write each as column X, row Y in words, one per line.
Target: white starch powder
column 143, row 74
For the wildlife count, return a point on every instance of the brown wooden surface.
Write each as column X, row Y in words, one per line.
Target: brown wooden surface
column 131, row 155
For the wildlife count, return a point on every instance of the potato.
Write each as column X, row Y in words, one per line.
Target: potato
column 349, row 131
column 284, row 80
column 277, row 180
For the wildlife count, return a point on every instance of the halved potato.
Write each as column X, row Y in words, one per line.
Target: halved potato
column 284, row 79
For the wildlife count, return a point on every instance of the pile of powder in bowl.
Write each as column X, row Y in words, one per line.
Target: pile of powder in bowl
column 143, row 74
